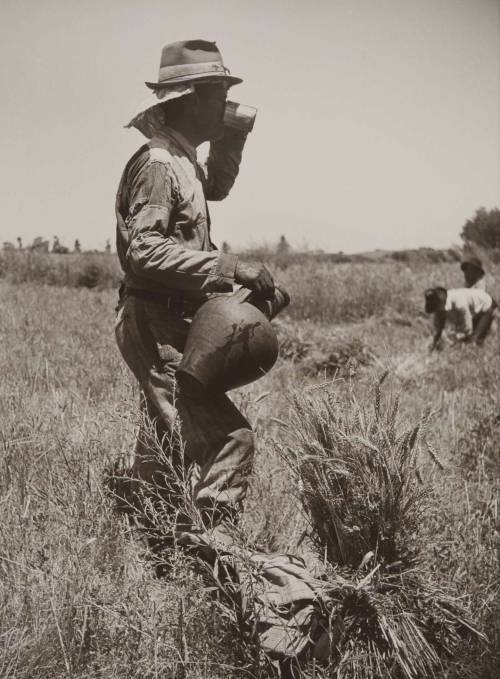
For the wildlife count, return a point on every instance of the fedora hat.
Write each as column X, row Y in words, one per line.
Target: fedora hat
column 189, row 61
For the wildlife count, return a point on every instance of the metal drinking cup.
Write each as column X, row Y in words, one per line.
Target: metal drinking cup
column 239, row 116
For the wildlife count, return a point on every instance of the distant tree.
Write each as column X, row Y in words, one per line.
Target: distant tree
column 107, row 249
column 57, row 248
column 483, row 229
column 77, row 247
column 283, row 247
column 19, row 242
column 39, row 245
column 225, row 247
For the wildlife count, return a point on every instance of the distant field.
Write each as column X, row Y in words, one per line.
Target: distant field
column 102, row 270
column 88, row 270
column 324, row 288
column 77, row 597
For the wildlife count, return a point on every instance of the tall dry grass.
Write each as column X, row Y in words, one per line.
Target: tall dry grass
column 352, row 292
column 357, row 475
column 323, row 289
column 78, row 597
column 87, row 270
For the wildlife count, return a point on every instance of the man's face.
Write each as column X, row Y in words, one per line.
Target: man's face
column 210, row 105
column 471, row 274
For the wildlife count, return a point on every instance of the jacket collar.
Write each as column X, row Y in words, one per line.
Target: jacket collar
column 170, row 136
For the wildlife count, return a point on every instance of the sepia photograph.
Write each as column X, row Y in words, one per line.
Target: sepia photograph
column 250, row 339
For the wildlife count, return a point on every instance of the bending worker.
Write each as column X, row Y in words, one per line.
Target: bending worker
column 171, row 265
column 470, row 311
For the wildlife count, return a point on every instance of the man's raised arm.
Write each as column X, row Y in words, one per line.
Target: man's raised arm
column 223, row 163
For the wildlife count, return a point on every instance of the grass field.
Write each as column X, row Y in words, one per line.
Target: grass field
column 78, row 597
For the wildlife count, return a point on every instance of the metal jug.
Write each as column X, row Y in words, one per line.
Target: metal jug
column 231, row 343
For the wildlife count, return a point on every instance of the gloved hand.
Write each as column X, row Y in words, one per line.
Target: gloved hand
column 255, row 277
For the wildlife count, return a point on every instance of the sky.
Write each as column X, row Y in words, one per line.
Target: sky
column 378, row 121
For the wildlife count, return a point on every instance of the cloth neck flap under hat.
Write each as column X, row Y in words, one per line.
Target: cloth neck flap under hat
column 182, row 65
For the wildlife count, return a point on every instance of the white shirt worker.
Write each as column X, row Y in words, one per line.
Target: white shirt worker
column 463, row 307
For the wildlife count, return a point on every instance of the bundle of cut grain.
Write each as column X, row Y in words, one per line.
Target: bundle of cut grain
column 358, row 480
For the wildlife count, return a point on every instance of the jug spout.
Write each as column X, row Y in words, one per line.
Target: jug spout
column 270, row 307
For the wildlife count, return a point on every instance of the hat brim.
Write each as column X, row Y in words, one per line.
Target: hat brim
column 154, row 99
column 207, row 77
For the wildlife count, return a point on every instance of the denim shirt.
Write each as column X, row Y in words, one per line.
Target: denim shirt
column 163, row 224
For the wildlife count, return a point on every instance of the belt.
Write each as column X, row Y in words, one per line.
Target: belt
column 176, row 303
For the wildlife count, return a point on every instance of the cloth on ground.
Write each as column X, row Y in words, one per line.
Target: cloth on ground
column 282, row 604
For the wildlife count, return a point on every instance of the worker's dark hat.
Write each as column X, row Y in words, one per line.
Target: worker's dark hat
column 190, row 61
column 433, row 297
column 472, row 263
column 434, row 293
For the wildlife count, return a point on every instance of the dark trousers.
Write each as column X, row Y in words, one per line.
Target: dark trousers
column 217, row 440
column 482, row 323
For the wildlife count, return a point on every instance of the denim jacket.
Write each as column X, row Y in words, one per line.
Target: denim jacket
column 163, row 224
